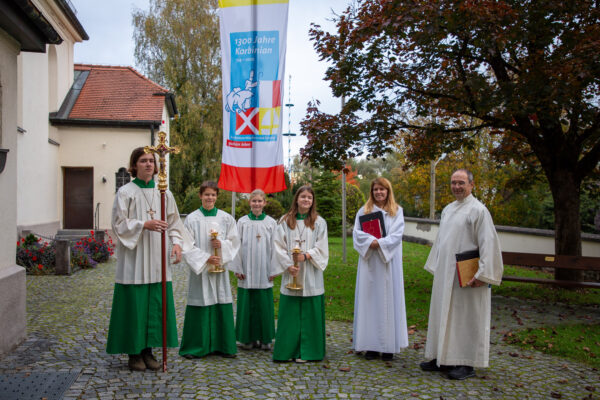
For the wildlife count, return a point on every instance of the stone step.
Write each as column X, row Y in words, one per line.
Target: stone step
column 72, row 234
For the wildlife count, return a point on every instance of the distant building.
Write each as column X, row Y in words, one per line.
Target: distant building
column 107, row 113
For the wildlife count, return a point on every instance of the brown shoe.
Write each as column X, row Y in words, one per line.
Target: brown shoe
column 136, row 363
column 150, row 360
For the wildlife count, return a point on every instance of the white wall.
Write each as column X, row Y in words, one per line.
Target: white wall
column 104, row 149
column 12, row 277
column 520, row 240
column 37, row 180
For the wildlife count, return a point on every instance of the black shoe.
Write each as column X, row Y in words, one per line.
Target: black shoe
column 225, row 355
column 371, row 355
column 461, row 372
column 430, row 366
column 387, row 356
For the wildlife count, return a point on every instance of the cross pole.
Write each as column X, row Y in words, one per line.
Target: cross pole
column 162, row 149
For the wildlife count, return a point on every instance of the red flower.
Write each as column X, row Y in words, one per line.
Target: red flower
column 79, row 243
column 42, row 251
column 18, row 243
column 91, row 232
column 39, row 239
column 23, row 240
column 40, row 267
column 34, row 258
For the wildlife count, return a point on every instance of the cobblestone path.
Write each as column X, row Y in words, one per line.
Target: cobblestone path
column 68, row 322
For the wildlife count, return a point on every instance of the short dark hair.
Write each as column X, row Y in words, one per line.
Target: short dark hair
column 133, row 159
column 209, row 184
column 466, row 171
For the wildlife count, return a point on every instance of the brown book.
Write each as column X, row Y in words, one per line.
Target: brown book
column 467, row 264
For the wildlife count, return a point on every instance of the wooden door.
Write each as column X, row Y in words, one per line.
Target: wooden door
column 78, row 197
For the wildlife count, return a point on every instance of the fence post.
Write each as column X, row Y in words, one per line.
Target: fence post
column 63, row 257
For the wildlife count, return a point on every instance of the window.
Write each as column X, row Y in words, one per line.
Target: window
column 122, row 178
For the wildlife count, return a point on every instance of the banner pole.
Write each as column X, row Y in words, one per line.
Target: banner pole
column 233, row 199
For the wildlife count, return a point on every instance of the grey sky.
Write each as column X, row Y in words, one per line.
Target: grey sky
column 109, row 26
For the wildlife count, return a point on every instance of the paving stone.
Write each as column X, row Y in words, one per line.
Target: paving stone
column 68, row 316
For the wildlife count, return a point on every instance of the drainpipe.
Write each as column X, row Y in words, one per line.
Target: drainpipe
column 151, row 134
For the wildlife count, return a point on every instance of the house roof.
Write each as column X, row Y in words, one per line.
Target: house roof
column 113, row 95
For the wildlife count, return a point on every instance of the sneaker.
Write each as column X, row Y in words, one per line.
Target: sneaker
column 150, row 360
column 246, row 346
column 300, row 361
column 136, row 363
column 461, row 372
column 371, row 355
column 387, row 356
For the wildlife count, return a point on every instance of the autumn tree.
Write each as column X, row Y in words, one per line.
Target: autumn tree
column 177, row 46
column 527, row 70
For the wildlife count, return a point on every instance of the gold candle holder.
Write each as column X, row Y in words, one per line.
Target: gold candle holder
column 216, row 269
column 295, row 285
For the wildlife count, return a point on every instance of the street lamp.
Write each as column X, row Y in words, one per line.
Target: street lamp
column 432, row 186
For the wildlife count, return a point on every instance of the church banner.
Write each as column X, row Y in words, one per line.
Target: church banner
column 253, row 45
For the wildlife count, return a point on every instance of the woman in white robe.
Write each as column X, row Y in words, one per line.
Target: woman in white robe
column 136, row 316
column 301, row 322
column 379, row 307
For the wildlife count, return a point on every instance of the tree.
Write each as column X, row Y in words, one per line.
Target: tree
column 177, row 46
column 527, row 70
column 329, row 204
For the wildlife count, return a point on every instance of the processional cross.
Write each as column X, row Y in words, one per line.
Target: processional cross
column 162, row 149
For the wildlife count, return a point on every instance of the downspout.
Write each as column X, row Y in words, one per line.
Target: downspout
column 151, row 134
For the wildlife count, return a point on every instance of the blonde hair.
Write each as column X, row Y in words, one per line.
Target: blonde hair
column 390, row 206
column 258, row 192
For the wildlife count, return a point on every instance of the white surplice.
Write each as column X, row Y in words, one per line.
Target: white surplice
column 459, row 318
column 139, row 250
column 254, row 257
column 379, row 308
column 207, row 288
column 313, row 242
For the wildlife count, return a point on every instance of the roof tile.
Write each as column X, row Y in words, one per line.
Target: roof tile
column 118, row 93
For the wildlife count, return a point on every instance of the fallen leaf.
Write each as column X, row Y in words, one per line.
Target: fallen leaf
column 344, row 369
column 513, row 354
column 556, row 395
column 412, row 331
column 352, row 351
column 248, row 373
column 329, row 334
column 563, row 381
column 585, row 348
column 519, row 384
column 388, row 364
column 326, row 366
column 590, row 388
column 413, row 326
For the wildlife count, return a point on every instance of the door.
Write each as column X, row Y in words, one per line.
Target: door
column 78, row 198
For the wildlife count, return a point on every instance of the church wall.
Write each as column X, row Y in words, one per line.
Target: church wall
column 105, row 150
column 520, row 240
column 37, row 180
column 12, row 277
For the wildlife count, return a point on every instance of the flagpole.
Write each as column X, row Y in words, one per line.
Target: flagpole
column 162, row 150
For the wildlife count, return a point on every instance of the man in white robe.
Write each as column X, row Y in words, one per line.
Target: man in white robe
column 458, row 336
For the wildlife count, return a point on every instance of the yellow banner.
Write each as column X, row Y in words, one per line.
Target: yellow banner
column 240, row 3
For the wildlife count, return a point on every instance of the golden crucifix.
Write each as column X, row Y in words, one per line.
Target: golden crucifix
column 162, row 149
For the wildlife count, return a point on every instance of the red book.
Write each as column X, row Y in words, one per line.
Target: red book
column 373, row 224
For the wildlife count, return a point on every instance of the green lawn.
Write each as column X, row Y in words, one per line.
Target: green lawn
column 340, row 279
